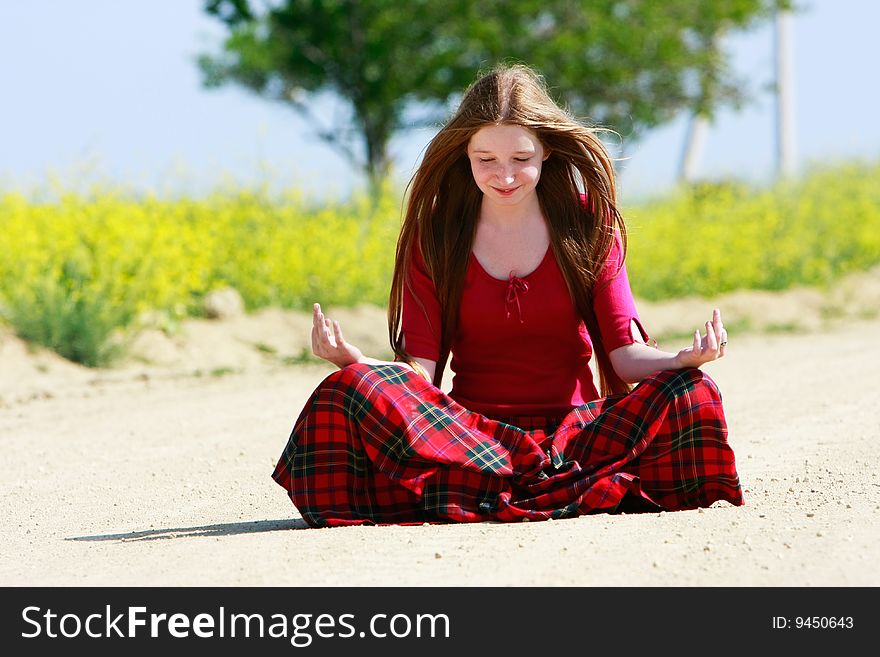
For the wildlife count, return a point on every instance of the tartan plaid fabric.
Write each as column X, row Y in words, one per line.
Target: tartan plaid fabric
column 379, row 444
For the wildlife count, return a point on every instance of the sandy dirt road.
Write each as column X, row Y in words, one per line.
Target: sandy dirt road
column 163, row 479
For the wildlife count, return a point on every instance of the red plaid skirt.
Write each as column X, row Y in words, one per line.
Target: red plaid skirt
column 379, row 444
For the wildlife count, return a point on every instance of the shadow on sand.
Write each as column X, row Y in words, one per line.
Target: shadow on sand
column 222, row 529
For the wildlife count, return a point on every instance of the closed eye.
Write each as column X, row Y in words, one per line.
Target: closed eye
column 517, row 159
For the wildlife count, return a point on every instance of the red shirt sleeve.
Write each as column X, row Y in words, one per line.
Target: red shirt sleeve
column 421, row 311
column 613, row 302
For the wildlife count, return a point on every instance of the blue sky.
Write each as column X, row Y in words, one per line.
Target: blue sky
column 108, row 90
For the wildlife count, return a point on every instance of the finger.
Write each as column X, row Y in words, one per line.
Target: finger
column 337, row 333
column 722, row 345
column 318, row 346
column 321, row 341
column 716, row 322
column 316, row 308
column 328, row 334
column 697, row 348
column 318, row 318
column 711, row 338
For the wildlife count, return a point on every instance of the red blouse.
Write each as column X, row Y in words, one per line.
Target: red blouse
column 520, row 347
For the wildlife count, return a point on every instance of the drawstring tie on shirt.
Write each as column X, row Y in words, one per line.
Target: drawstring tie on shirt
column 514, row 287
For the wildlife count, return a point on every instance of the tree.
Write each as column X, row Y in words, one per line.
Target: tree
column 625, row 64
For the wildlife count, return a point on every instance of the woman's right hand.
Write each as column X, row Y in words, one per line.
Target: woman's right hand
column 328, row 343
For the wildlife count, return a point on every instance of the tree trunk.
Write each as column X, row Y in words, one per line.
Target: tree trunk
column 378, row 164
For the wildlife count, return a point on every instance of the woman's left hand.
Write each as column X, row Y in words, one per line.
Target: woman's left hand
column 706, row 348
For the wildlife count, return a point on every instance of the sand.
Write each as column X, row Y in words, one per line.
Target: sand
column 157, row 471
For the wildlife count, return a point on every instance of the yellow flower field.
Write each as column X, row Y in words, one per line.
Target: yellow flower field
column 75, row 271
column 718, row 238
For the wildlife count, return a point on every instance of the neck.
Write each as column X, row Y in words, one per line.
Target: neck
column 511, row 216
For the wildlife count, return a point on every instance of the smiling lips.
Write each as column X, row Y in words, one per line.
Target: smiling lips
column 506, row 192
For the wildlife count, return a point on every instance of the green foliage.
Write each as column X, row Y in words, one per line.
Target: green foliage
column 69, row 315
column 626, row 64
column 76, row 273
column 67, row 279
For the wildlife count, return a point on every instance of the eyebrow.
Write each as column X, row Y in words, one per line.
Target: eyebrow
column 516, row 152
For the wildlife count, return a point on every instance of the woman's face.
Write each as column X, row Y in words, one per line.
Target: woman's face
column 506, row 162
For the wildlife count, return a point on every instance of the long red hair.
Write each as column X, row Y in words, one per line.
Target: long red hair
column 443, row 206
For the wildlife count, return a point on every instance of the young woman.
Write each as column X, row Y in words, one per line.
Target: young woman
column 511, row 260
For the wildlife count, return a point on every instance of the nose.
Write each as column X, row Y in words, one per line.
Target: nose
column 506, row 174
